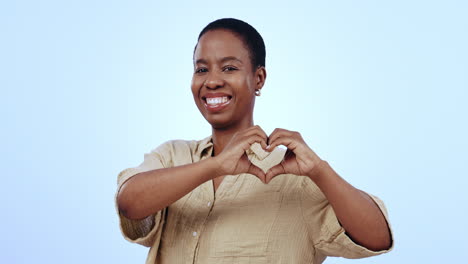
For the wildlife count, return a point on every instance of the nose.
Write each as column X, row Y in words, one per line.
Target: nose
column 213, row 81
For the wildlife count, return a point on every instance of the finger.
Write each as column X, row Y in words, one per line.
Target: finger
column 246, row 132
column 263, row 141
column 278, row 132
column 252, row 139
column 285, row 141
column 263, row 135
column 271, row 138
column 257, row 172
column 257, row 130
column 272, row 135
column 274, row 171
column 245, row 144
column 264, row 144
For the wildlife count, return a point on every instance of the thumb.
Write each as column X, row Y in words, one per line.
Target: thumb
column 257, row 172
column 273, row 172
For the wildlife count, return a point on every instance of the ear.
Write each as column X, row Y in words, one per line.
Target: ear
column 260, row 77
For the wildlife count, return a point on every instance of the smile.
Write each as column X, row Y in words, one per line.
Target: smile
column 217, row 100
column 215, row 104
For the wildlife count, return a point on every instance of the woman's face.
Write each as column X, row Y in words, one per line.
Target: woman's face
column 223, row 83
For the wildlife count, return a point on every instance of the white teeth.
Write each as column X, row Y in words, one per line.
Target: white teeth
column 216, row 100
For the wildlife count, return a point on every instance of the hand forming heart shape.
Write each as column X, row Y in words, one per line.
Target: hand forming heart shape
column 298, row 159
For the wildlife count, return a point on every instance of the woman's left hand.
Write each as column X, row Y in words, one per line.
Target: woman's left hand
column 299, row 159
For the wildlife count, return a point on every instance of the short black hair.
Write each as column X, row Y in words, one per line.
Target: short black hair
column 248, row 34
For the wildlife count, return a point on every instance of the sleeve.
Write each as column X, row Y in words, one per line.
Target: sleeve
column 147, row 231
column 327, row 234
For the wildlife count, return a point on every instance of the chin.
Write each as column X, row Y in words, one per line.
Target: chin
column 218, row 124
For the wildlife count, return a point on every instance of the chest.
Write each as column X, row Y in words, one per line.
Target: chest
column 217, row 182
column 244, row 218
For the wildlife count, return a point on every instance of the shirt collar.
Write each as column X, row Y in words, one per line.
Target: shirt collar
column 204, row 148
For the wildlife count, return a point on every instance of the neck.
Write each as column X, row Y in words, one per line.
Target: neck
column 222, row 136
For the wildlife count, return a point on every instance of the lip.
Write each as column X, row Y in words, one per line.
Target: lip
column 217, row 107
column 213, row 95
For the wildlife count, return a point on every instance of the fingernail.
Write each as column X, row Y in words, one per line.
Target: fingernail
column 268, row 147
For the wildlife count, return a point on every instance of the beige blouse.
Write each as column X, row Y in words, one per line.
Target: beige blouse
column 246, row 221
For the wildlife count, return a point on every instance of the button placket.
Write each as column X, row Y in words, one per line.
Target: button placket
column 210, row 206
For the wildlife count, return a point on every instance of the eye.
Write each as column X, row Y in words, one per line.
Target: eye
column 229, row 68
column 201, row 70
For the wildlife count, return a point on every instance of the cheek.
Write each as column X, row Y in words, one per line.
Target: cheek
column 195, row 86
column 241, row 83
column 248, row 86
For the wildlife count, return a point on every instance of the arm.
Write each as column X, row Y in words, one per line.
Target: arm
column 151, row 191
column 356, row 211
column 148, row 192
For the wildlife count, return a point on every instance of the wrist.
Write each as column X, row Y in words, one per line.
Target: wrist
column 214, row 167
column 319, row 171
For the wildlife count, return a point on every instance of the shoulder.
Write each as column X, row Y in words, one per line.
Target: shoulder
column 175, row 144
column 178, row 144
column 178, row 151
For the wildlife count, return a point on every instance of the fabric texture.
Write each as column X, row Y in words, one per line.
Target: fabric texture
column 288, row 220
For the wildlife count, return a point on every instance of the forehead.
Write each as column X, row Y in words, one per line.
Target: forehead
column 217, row 44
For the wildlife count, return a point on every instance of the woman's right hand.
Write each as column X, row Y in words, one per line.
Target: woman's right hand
column 233, row 159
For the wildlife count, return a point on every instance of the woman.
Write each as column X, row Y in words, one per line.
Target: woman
column 235, row 197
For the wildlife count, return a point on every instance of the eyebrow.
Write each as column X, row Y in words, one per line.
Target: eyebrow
column 225, row 59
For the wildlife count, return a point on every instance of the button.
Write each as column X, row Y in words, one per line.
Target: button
column 208, row 204
column 194, row 234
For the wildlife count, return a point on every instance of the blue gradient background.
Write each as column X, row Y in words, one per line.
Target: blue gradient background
column 379, row 89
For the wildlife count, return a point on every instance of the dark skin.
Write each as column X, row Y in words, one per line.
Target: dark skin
column 223, row 69
column 228, row 69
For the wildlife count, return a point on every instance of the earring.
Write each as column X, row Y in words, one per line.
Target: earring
column 257, row 92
